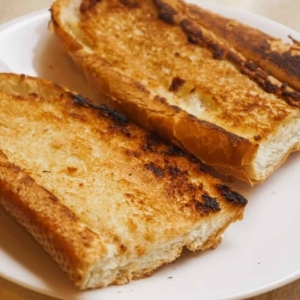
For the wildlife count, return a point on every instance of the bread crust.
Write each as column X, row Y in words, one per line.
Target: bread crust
column 143, row 200
column 271, row 54
column 230, row 152
column 231, row 143
column 52, row 224
column 129, row 96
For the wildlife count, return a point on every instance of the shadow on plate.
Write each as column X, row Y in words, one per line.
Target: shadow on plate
column 52, row 63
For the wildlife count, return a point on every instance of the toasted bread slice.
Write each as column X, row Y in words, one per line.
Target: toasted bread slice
column 107, row 200
column 154, row 63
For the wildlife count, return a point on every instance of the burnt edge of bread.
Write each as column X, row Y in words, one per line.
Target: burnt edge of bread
column 258, row 41
column 259, row 47
column 119, row 118
column 122, row 120
column 152, row 141
column 161, row 168
column 67, row 247
column 166, row 12
column 285, row 60
column 220, row 52
column 232, row 196
column 210, row 204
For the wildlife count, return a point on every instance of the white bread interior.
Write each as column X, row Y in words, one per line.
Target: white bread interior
column 108, row 202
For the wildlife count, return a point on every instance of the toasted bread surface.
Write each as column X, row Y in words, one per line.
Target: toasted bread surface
column 280, row 59
column 155, row 63
column 109, row 201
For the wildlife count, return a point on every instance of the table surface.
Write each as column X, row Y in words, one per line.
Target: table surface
column 282, row 11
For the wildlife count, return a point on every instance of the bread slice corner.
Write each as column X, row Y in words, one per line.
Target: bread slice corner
column 109, row 201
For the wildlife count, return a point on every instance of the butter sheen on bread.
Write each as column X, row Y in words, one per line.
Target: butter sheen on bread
column 158, row 64
column 109, row 201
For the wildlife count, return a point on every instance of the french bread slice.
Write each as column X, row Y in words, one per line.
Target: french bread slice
column 109, row 201
column 156, row 63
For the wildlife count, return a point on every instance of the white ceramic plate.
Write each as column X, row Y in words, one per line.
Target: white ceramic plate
column 258, row 254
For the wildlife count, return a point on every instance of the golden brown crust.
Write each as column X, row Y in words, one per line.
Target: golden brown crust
column 231, row 43
column 129, row 96
column 150, row 89
column 76, row 155
column 52, row 224
column 269, row 53
column 231, row 152
column 260, row 75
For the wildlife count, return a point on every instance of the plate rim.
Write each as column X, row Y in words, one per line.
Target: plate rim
column 44, row 13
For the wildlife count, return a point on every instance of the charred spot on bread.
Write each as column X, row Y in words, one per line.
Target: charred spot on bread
column 251, row 66
column 209, row 204
column 196, row 36
column 232, row 196
column 79, row 99
column 165, row 12
column 174, row 150
column 217, row 51
column 156, row 170
column 175, row 171
column 291, row 94
column 177, row 82
column 270, row 88
column 151, row 142
column 192, row 39
column 285, row 60
column 115, row 115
